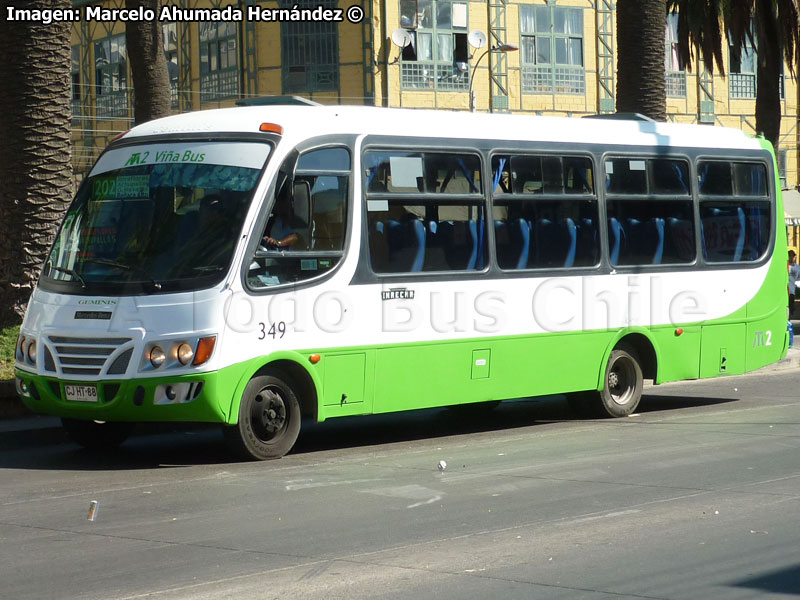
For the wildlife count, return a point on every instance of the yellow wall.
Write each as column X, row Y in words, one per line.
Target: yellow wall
column 90, row 133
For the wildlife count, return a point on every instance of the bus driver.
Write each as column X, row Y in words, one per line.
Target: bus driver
column 281, row 227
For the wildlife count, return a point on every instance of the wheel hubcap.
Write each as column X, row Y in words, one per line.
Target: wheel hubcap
column 268, row 414
column 621, row 381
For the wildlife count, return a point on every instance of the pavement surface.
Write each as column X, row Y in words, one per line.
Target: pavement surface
column 695, row 496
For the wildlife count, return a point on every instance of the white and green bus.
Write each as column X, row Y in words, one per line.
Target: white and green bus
column 259, row 266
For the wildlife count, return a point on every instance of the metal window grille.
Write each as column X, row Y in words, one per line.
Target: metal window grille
column 782, row 162
column 537, row 80
column 219, row 61
column 675, row 69
column 439, row 69
column 111, row 77
column 552, row 50
column 742, row 85
column 76, row 83
column 309, row 52
column 676, row 84
column 170, row 32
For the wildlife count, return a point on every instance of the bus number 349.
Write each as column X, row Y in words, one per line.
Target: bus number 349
column 275, row 330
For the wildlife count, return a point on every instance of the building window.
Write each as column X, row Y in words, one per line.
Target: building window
column 742, row 78
column 111, row 77
column 76, row 82
column 219, row 64
column 310, row 52
column 552, row 50
column 675, row 69
column 438, row 56
column 170, row 31
column 781, row 156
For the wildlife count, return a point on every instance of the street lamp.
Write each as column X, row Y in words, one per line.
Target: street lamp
column 500, row 48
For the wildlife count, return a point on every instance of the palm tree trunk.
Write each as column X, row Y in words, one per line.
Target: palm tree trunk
column 35, row 153
column 641, row 78
column 148, row 64
column 768, row 74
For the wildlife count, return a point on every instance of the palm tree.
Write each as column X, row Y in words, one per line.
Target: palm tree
column 771, row 26
column 148, row 64
column 35, row 153
column 641, row 79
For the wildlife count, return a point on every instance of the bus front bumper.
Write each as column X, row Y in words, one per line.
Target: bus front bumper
column 202, row 397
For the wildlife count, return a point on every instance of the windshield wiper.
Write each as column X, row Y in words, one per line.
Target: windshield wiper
column 112, row 263
column 107, row 262
column 70, row 272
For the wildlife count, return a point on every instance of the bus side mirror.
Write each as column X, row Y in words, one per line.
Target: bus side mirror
column 301, row 201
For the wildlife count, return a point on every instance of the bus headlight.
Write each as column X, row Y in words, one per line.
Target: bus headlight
column 185, row 354
column 157, row 356
column 31, row 353
column 21, row 347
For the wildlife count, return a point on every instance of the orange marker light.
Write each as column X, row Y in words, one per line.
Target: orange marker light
column 271, row 128
column 679, row 331
column 204, row 349
column 314, row 358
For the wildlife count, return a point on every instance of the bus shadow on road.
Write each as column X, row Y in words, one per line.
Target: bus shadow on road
column 466, row 420
column 150, row 447
column 783, row 581
column 661, row 403
column 156, row 446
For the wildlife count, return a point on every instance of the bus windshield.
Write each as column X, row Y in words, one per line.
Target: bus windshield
column 160, row 217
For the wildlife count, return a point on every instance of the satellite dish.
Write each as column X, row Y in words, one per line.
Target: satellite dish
column 401, row 38
column 476, row 39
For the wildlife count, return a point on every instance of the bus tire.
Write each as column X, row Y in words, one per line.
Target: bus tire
column 269, row 419
column 96, row 435
column 622, row 384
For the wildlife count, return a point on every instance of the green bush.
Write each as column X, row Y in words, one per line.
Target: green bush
column 8, row 342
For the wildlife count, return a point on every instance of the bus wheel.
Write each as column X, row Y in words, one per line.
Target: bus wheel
column 269, row 419
column 623, row 383
column 96, row 435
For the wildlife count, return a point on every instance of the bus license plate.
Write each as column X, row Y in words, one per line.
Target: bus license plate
column 81, row 393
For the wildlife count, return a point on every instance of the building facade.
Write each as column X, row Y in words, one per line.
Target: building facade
column 561, row 60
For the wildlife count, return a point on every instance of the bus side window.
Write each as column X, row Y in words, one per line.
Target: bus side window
column 734, row 211
column 650, row 211
column 548, row 217
column 438, row 224
column 304, row 234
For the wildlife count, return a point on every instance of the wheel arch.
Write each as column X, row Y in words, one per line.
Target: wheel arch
column 304, row 382
column 642, row 343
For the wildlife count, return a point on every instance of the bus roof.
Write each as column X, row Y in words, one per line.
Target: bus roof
column 305, row 121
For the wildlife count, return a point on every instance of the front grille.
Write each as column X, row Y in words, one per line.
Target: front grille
column 91, row 356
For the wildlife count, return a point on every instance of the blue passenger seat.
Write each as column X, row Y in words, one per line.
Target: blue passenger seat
column 513, row 239
column 406, row 241
column 556, row 242
column 615, row 239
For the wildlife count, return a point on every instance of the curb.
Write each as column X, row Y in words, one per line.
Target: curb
column 790, row 361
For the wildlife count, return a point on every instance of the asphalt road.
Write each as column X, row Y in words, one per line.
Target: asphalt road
column 697, row 496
